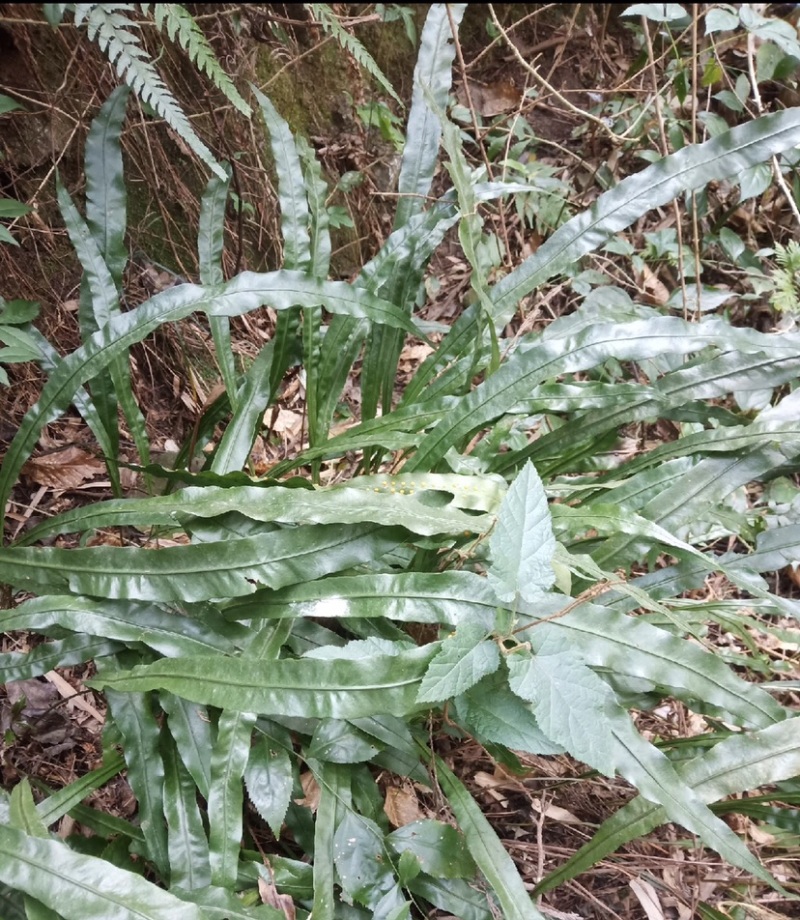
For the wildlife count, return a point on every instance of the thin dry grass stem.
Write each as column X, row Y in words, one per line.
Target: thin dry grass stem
column 776, row 166
column 468, row 92
column 696, row 239
column 665, row 152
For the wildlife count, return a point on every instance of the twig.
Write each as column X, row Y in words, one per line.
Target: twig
column 776, row 168
column 549, row 87
column 587, row 595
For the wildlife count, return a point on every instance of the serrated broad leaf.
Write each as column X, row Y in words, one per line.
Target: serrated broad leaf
column 269, row 781
column 493, row 713
column 463, row 659
column 741, row 762
column 439, row 847
column 522, row 543
column 570, row 702
column 613, row 743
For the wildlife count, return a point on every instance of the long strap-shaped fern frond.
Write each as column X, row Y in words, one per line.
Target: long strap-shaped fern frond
column 116, row 35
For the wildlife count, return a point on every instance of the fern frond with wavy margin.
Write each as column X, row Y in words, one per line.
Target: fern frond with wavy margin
column 115, row 34
column 330, row 24
column 181, row 25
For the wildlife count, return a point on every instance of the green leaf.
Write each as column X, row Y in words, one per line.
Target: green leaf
column 169, row 633
column 571, row 703
column 492, row 713
column 739, row 763
column 307, row 688
column 223, row 904
column 340, row 742
column 210, row 247
column 522, row 543
column 690, row 168
column 463, row 659
column 186, row 838
column 7, row 104
column 455, row 897
column 229, row 758
column 334, row 781
column 248, row 291
column 253, row 398
column 106, row 198
column 190, row 727
column 133, row 715
column 10, row 207
column 359, row 853
column 450, row 598
column 439, row 848
column 291, row 187
column 486, row 849
column 198, row 571
column 56, row 805
column 23, row 813
column 226, row 796
column 657, row 12
column 631, row 647
column 60, row 653
column 269, row 781
column 379, row 500
column 575, row 707
column 433, row 71
column 83, row 887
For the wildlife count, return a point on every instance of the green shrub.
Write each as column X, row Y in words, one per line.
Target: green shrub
column 272, row 638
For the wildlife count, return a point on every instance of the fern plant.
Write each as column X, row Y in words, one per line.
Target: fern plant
column 785, row 297
column 267, row 650
column 117, row 36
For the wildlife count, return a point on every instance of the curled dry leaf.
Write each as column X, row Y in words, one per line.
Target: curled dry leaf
column 269, row 895
column 63, row 469
column 491, row 99
column 311, row 790
column 402, row 807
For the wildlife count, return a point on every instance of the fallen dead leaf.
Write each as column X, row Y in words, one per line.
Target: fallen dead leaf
column 63, row 469
column 402, row 807
column 311, row 791
column 648, row 898
column 490, row 98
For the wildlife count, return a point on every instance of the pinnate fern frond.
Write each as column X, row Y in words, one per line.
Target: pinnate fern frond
column 786, row 279
column 181, row 26
column 116, row 35
column 330, row 24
